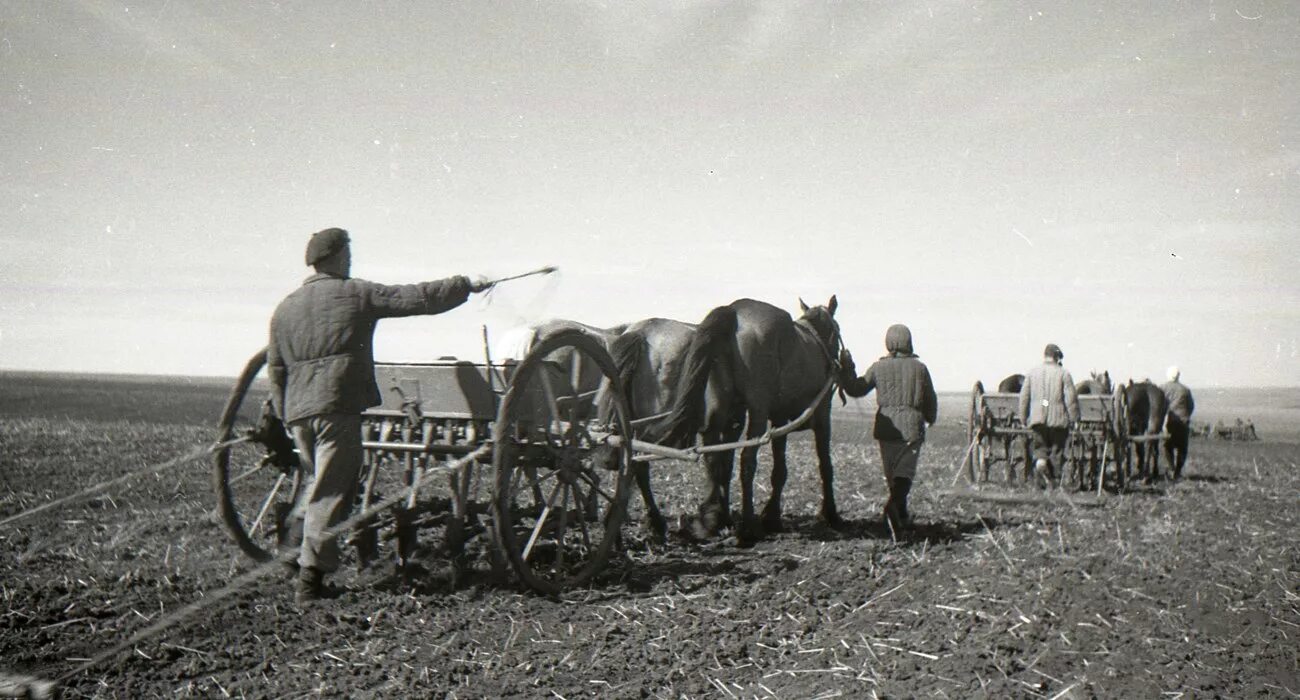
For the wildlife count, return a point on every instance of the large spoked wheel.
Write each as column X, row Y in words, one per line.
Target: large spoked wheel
column 975, row 435
column 561, row 489
column 254, row 497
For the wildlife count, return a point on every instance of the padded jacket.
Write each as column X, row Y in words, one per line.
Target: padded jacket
column 1180, row 399
column 1048, row 397
column 320, row 358
column 904, row 395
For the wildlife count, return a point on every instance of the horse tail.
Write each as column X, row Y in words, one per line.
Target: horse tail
column 627, row 351
column 1158, row 409
column 712, row 339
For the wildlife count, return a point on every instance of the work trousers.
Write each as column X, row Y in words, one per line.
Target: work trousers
column 1049, row 444
column 898, row 458
column 330, row 448
column 1176, row 445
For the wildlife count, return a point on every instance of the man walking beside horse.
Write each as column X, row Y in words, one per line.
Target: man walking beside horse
column 1177, row 421
column 906, row 403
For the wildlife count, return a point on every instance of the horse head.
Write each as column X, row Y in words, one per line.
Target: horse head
column 821, row 320
column 1103, row 382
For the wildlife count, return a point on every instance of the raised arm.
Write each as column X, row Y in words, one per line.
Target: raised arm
column 423, row 298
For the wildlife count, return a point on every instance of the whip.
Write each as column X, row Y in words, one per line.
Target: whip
column 539, row 271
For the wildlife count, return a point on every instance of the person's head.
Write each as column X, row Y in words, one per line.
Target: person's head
column 1053, row 353
column 1173, row 373
column 329, row 252
column 898, row 340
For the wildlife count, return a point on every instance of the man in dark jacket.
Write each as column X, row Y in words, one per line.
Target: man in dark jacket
column 321, row 368
column 906, row 403
column 1177, row 420
column 1049, row 405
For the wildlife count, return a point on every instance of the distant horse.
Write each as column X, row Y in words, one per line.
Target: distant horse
column 1012, row 384
column 1146, row 416
column 1096, row 384
column 650, row 356
column 751, row 360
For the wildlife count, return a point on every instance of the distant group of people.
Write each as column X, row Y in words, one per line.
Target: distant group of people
column 1049, row 406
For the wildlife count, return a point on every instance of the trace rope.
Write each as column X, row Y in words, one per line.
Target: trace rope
column 103, row 485
column 212, row 598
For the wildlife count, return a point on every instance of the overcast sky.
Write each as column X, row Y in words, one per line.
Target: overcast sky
column 1121, row 178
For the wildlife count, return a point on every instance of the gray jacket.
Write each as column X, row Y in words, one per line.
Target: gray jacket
column 320, row 358
column 1048, row 397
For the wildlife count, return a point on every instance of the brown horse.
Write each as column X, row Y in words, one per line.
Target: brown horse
column 1147, row 407
column 670, row 339
column 751, row 364
column 1011, row 384
column 1095, row 384
column 650, row 356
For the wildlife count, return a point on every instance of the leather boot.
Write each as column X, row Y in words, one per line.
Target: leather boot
column 901, row 487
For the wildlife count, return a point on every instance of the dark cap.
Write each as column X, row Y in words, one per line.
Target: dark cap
column 1053, row 351
column 325, row 243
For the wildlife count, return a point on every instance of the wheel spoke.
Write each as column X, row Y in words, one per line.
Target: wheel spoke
column 541, row 521
column 560, row 529
column 582, row 518
column 266, row 505
column 551, row 404
column 596, row 487
column 260, row 466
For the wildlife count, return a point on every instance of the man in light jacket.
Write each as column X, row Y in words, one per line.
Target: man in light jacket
column 906, row 403
column 322, row 372
column 1181, row 406
column 1049, row 406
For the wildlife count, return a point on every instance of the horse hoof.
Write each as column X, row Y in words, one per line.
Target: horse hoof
column 657, row 528
column 772, row 521
column 832, row 520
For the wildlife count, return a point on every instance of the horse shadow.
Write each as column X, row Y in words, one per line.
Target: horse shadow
column 926, row 533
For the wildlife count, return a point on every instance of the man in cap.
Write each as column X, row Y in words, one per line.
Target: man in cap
column 906, row 402
column 1177, row 420
column 1049, row 406
column 321, row 368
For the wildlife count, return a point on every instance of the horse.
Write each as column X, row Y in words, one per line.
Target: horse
column 751, row 364
column 589, row 379
column 1095, row 384
column 650, row 356
column 1146, row 416
column 1012, row 384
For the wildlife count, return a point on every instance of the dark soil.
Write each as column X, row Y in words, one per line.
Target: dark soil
column 1189, row 589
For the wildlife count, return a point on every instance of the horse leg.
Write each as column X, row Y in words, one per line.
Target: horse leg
column 1154, row 447
column 822, row 437
column 654, row 518
column 749, row 531
column 714, row 509
column 772, row 511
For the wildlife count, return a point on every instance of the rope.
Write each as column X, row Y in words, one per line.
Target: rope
column 262, row 570
column 103, row 485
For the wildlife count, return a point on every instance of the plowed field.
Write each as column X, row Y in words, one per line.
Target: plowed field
column 1180, row 590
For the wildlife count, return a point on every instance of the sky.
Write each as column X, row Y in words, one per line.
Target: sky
column 1119, row 178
